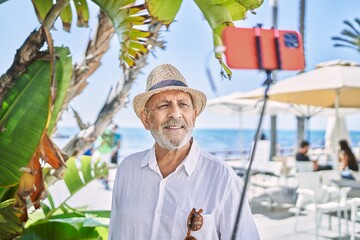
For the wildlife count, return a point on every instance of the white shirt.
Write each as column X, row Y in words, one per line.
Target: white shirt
column 147, row 206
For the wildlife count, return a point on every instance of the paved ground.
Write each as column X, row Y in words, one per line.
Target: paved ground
column 275, row 223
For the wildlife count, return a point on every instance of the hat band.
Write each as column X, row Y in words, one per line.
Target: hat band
column 168, row 83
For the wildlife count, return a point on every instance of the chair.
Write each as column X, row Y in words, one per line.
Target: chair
column 355, row 216
column 304, row 166
column 261, row 156
column 268, row 180
column 313, row 195
column 283, row 160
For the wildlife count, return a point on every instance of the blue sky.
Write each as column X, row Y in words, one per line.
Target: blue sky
column 189, row 43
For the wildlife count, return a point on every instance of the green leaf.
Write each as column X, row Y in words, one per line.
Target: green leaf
column 220, row 14
column 7, row 193
column 76, row 178
column 2, row 1
column 45, row 208
column 72, row 178
column 41, row 8
column 98, row 213
column 63, row 79
column 79, row 222
column 66, row 18
column 82, row 11
column 127, row 21
column 10, row 224
column 51, row 201
column 251, row 4
column 163, row 11
column 86, row 168
column 58, row 231
column 24, row 115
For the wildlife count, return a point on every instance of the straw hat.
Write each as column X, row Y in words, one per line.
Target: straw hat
column 166, row 77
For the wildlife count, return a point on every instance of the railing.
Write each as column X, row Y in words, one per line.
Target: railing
column 245, row 153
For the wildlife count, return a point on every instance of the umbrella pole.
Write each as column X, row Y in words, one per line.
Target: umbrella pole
column 337, row 131
column 267, row 85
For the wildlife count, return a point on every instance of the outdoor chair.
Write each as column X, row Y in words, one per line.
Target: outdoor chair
column 267, row 180
column 322, row 199
column 288, row 170
column 355, row 216
column 304, row 166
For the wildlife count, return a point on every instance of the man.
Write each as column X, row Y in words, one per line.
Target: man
column 301, row 155
column 175, row 190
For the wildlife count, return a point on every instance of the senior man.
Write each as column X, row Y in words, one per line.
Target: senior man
column 175, row 190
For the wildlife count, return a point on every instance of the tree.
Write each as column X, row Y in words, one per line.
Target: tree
column 350, row 36
column 40, row 84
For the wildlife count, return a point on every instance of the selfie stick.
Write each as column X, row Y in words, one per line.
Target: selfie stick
column 267, row 85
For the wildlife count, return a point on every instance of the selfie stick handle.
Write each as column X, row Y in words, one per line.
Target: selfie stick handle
column 267, row 84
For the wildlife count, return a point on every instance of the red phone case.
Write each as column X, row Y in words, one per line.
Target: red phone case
column 241, row 49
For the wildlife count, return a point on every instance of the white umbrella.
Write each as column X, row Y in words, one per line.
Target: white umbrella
column 331, row 85
column 336, row 128
column 234, row 104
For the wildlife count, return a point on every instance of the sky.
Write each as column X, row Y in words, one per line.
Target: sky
column 189, row 47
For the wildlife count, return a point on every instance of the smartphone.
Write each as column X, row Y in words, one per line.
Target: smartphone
column 241, row 46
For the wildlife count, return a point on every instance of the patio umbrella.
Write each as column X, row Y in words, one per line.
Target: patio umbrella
column 336, row 128
column 333, row 84
column 235, row 104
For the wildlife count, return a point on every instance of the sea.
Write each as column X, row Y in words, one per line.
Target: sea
column 220, row 142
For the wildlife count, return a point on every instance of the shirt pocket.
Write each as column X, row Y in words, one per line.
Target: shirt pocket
column 206, row 232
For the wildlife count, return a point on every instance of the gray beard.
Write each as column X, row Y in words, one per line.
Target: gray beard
column 166, row 143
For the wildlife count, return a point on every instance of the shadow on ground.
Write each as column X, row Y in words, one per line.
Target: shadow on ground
column 274, row 204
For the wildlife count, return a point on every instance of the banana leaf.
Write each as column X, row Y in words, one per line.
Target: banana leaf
column 58, row 230
column 63, row 79
column 75, row 178
column 163, row 10
column 10, row 224
column 23, row 118
column 42, row 7
column 130, row 26
column 77, row 223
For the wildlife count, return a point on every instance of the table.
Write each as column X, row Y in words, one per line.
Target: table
column 353, row 184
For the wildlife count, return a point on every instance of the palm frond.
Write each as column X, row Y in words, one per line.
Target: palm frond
column 349, row 34
column 357, row 20
column 343, row 45
column 349, row 24
column 343, row 40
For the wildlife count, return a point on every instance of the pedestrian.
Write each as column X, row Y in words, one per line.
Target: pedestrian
column 103, row 152
column 116, row 144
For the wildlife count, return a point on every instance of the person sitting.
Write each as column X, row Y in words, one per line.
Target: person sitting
column 347, row 158
column 302, row 155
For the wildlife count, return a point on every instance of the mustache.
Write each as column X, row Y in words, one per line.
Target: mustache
column 174, row 122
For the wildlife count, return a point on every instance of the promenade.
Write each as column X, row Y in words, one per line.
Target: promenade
column 273, row 224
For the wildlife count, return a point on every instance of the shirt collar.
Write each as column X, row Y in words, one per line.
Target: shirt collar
column 189, row 163
column 191, row 160
column 149, row 158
